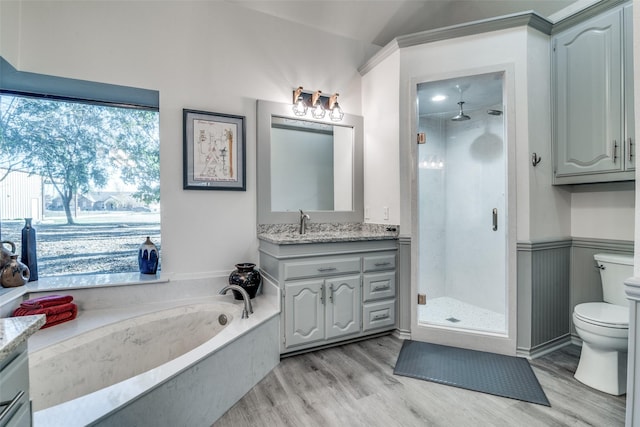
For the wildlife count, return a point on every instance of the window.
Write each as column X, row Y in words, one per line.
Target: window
column 87, row 171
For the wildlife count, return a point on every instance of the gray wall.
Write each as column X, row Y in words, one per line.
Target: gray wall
column 553, row 277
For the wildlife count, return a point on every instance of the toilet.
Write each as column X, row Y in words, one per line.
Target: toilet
column 604, row 328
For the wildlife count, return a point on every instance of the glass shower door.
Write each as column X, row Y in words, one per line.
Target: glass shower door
column 462, row 206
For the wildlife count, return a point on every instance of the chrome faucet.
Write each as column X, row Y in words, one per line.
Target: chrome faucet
column 303, row 222
column 248, row 308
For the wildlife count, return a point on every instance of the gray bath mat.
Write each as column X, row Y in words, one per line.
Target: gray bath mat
column 490, row 373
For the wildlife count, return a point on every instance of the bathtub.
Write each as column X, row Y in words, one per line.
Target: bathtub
column 163, row 364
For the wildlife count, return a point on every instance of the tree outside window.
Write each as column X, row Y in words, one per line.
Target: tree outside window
column 99, row 170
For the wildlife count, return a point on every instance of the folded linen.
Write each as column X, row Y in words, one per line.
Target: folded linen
column 54, row 314
column 46, row 301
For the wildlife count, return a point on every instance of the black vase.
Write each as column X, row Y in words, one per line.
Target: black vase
column 247, row 278
column 28, row 250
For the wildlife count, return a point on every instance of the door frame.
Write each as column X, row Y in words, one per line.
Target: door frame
column 483, row 341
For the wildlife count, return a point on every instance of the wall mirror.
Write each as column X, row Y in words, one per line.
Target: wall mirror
column 313, row 165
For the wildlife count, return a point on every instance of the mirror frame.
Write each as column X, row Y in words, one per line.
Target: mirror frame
column 265, row 111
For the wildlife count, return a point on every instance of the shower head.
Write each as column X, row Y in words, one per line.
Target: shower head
column 461, row 116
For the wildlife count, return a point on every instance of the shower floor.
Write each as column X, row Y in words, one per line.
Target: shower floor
column 450, row 312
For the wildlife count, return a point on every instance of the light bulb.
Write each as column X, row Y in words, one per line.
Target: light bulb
column 336, row 113
column 318, row 111
column 300, row 108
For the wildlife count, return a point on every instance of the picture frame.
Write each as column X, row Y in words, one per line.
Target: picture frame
column 214, row 151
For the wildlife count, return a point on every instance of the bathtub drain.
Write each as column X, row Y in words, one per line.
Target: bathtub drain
column 222, row 319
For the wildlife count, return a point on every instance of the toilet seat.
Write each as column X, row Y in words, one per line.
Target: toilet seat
column 603, row 314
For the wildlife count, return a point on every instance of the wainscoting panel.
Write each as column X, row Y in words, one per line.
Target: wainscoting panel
column 543, row 295
column 403, row 300
column 553, row 277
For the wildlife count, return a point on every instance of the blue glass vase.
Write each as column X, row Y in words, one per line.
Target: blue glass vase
column 148, row 257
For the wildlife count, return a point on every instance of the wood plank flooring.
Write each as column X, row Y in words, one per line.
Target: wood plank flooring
column 354, row 385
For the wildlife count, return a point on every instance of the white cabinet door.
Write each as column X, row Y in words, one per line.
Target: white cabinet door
column 589, row 101
column 304, row 312
column 343, row 306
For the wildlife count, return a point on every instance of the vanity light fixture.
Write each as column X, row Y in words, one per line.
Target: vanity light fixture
column 318, row 103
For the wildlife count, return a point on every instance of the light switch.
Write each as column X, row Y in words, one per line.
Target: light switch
column 385, row 213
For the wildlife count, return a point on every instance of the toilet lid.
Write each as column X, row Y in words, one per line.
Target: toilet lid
column 603, row 314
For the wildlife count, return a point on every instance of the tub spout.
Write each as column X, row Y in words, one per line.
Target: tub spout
column 248, row 308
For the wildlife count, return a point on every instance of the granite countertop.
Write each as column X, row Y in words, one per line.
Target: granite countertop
column 16, row 330
column 288, row 234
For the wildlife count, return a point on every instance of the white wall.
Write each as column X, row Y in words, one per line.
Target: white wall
column 549, row 206
column 458, row 57
column 380, row 93
column 211, row 56
column 603, row 215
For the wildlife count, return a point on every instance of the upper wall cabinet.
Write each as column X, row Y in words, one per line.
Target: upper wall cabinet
column 593, row 92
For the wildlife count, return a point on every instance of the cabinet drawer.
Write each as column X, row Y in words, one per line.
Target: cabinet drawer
column 15, row 377
column 13, row 381
column 379, row 286
column 378, row 314
column 321, row 267
column 379, row 262
column 21, row 418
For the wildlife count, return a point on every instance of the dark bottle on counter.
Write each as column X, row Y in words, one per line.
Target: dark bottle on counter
column 28, row 255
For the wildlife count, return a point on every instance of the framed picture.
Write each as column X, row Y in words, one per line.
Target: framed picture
column 214, row 151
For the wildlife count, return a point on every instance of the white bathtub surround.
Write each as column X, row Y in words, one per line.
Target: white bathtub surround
column 194, row 388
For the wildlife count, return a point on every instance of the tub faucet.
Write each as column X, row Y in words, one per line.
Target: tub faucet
column 248, row 308
column 303, row 222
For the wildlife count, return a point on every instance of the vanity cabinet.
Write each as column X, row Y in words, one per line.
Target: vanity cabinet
column 15, row 407
column 321, row 309
column 332, row 292
column 594, row 137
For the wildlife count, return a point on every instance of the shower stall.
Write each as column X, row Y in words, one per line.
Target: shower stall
column 462, row 222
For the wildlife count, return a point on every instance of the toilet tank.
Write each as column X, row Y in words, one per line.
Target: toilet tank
column 614, row 270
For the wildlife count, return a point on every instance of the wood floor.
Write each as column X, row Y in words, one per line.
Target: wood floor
column 354, row 385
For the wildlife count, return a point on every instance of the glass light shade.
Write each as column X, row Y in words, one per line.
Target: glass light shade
column 318, row 111
column 336, row 113
column 300, row 108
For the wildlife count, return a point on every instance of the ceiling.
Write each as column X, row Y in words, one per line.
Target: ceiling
column 380, row 21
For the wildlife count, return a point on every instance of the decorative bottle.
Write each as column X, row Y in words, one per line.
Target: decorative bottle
column 28, row 250
column 247, row 278
column 13, row 273
column 148, row 257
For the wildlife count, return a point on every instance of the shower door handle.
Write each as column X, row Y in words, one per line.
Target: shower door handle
column 495, row 219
